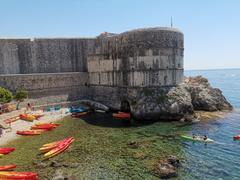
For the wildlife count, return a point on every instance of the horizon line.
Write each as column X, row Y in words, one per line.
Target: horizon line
column 212, row 69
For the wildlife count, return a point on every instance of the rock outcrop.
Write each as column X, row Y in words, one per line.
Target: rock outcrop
column 167, row 168
column 175, row 103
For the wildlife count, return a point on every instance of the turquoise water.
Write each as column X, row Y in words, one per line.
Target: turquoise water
column 220, row 160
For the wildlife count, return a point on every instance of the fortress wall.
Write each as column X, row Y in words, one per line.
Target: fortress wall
column 23, row 56
column 147, row 57
column 61, row 86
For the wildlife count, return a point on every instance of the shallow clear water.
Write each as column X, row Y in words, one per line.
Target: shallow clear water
column 102, row 147
column 220, row 160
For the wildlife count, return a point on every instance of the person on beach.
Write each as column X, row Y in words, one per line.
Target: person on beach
column 1, row 132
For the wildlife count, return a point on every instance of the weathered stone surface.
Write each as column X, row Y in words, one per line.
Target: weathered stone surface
column 177, row 102
column 24, row 56
column 204, row 97
column 139, row 71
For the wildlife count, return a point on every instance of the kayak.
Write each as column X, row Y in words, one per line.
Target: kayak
column 79, row 114
column 121, row 115
column 62, row 147
column 52, row 124
column 55, row 148
column 18, row 175
column 47, row 127
column 30, row 132
column 190, row 138
column 27, row 117
column 7, row 167
column 6, row 150
column 77, row 110
column 236, row 137
column 50, row 146
column 11, row 120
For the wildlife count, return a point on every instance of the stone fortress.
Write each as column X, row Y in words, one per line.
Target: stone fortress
column 114, row 69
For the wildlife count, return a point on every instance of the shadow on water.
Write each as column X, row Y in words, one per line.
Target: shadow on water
column 106, row 120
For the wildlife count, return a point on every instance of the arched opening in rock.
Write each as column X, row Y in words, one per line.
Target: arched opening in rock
column 125, row 106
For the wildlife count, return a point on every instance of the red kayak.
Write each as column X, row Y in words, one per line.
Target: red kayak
column 7, row 167
column 122, row 115
column 9, row 175
column 236, row 137
column 6, row 150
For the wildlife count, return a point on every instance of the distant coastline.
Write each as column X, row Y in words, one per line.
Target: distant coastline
column 212, row 69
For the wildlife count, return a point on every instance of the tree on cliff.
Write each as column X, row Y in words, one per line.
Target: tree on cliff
column 20, row 96
column 5, row 95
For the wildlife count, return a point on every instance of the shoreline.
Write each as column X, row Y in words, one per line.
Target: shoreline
column 20, row 125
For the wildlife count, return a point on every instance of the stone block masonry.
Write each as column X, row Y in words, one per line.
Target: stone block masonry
column 25, row 56
column 110, row 68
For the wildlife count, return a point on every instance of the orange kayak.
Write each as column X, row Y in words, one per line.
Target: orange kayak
column 45, row 127
column 122, row 115
column 6, row 150
column 7, row 167
column 62, row 146
column 30, row 132
column 51, row 124
column 50, row 146
column 18, row 175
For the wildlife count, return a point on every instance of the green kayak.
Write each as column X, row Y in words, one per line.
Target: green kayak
column 198, row 138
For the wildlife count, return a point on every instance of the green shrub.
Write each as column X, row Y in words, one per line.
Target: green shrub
column 21, row 95
column 5, row 95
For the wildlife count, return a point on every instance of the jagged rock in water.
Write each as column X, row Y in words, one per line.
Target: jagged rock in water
column 174, row 103
column 204, row 97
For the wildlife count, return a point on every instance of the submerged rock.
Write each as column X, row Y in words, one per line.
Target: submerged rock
column 167, row 168
column 175, row 103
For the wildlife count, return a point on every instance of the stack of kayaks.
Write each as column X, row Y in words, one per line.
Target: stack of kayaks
column 38, row 129
column 5, row 151
column 197, row 138
column 27, row 117
column 7, row 167
column 55, row 148
column 10, row 175
column 122, row 115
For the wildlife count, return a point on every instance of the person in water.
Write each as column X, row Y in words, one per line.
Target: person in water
column 193, row 136
column 204, row 137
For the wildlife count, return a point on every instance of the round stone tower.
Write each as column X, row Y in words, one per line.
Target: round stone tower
column 139, row 58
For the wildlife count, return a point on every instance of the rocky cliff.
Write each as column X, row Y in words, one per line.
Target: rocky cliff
column 175, row 103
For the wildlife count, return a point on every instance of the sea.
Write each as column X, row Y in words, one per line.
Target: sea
column 219, row 160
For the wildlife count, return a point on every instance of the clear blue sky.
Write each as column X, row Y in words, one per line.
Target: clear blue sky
column 211, row 27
